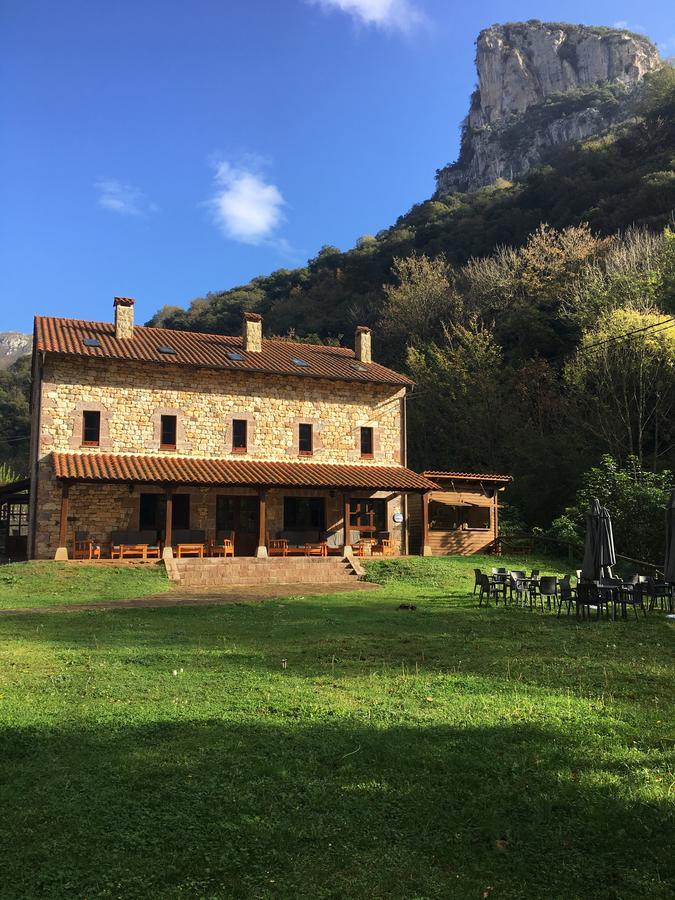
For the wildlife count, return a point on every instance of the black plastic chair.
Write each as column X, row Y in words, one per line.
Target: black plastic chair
column 548, row 590
column 566, row 594
column 477, row 574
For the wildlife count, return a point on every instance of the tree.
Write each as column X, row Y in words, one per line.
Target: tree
column 636, row 500
column 622, row 385
column 422, row 302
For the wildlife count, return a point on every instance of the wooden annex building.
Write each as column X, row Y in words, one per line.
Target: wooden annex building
column 462, row 514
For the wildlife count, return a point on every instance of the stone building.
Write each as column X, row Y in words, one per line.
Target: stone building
column 143, row 429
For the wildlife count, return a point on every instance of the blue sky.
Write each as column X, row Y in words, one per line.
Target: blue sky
column 160, row 149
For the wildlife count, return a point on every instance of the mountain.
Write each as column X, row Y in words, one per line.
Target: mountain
column 12, row 346
column 541, row 85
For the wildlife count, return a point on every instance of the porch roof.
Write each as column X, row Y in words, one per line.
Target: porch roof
column 108, row 467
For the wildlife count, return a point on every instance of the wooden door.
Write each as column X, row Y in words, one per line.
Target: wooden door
column 239, row 514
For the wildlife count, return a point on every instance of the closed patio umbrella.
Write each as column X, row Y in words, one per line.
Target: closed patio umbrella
column 669, row 564
column 599, row 553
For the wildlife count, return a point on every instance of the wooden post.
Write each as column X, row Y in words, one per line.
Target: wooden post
column 346, row 511
column 62, row 549
column 426, row 549
column 261, row 551
column 168, row 524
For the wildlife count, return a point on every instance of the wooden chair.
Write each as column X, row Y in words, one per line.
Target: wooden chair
column 384, row 547
column 84, row 547
column 225, row 548
column 277, row 547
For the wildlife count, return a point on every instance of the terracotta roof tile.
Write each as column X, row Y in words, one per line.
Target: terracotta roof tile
column 233, row 473
column 467, row 476
column 193, row 349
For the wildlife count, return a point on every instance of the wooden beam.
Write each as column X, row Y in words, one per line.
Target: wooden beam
column 425, row 548
column 63, row 523
column 346, row 510
column 168, row 521
column 262, row 523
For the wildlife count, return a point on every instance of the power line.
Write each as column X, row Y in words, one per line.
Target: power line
column 663, row 325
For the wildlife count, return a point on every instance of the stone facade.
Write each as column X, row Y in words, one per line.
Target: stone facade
column 131, row 397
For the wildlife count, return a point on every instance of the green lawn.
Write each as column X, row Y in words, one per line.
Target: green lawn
column 446, row 752
column 57, row 584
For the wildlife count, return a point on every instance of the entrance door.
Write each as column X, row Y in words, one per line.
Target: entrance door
column 239, row 514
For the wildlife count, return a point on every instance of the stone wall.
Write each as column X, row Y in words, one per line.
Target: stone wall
column 131, row 397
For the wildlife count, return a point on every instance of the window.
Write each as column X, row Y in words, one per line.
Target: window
column 239, row 429
column 366, row 442
column 91, row 428
column 304, row 514
column 478, row 517
column 167, row 439
column 305, row 443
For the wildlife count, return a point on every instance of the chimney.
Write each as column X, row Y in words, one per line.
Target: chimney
column 362, row 344
column 124, row 317
column 252, row 332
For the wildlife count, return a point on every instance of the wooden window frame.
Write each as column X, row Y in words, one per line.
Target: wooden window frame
column 163, row 445
column 309, row 452
column 91, row 412
column 367, row 429
column 244, row 447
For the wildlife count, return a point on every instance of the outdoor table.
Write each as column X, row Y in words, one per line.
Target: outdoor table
column 190, row 550
column 138, row 550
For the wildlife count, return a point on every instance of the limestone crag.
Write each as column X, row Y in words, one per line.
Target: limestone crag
column 541, row 85
column 13, row 344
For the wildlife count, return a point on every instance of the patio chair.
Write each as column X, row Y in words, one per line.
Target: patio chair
column 277, row 547
column 223, row 545
column 632, row 595
column 566, row 594
column 497, row 587
column 660, row 592
column 84, row 547
column 518, row 584
column 384, row 548
column 477, row 574
column 548, row 590
column 491, row 589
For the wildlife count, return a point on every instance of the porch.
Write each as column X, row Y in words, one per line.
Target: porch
column 150, row 507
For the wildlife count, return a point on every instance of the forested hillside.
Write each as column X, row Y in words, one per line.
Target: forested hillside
column 496, row 302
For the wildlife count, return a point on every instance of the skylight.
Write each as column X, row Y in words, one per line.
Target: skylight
column 91, row 342
column 231, row 354
column 165, row 349
column 299, row 362
column 359, row 367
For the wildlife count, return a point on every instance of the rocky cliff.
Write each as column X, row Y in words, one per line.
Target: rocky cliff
column 541, row 85
column 12, row 346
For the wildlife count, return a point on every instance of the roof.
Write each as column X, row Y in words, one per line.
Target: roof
column 107, row 467
column 467, row 476
column 197, row 350
column 14, row 487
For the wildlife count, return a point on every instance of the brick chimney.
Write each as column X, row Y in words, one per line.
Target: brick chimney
column 362, row 344
column 124, row 317
column 252, row 332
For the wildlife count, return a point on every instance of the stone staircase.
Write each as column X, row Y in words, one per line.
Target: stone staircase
column 218, row 572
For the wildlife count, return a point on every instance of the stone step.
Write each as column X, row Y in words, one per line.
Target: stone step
column 250, row 570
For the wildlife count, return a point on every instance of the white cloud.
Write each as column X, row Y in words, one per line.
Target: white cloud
column 391, row 14
column 246, row 207
column 124, row 199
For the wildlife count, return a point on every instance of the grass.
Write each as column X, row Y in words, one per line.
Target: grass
column 448, row 752
column 36, row 584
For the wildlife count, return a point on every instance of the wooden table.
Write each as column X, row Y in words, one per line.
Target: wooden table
column 135, row 551
column 190, row 550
